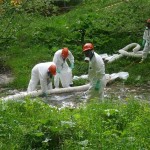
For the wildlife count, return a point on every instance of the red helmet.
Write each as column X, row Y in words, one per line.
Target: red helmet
column 65, row 52
column 52, row 69
column 88, row 46
column 148, row 21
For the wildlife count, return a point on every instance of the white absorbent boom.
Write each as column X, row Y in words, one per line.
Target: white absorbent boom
column 53, row 91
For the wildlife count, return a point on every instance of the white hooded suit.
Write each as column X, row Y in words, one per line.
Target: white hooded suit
column 64, row 72
column 40, row 73
column 96, row 72
column 146, row 37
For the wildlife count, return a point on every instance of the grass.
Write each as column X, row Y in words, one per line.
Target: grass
column 111, row 124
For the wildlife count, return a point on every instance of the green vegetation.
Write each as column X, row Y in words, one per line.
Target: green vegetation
column 28, row 37
column 105, row 125
column 31, row 33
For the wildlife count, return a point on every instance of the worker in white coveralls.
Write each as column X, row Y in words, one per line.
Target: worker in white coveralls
column 146, row 41
column 44, row 73
column 96, row 72
column 64, row 72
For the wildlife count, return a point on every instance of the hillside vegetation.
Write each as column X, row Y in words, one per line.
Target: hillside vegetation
column 31, row 33
column 29, row 37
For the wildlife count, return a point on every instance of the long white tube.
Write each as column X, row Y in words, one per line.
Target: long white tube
column 130, row 54
column 53, row 91
column 124, row 52
column 134, row 53
column 115, row 57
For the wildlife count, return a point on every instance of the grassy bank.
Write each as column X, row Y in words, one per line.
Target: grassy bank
column 30, row 38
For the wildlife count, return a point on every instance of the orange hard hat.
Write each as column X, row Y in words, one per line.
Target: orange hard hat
column 52, row 69
column 65, row 52
column 148, row 20
column 88, row 46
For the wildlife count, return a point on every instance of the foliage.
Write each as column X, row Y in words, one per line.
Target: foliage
column 32, row 124
column 110, row 25
column 45, row 8
column 31, row 34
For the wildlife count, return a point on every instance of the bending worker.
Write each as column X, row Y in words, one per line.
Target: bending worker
column 96, row 72
column 44, row 73
column 64, row 72
column 146, row 41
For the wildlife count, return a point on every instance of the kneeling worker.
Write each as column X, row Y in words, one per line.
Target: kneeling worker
column 44, row 73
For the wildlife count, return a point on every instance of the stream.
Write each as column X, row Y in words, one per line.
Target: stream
column 114, row 90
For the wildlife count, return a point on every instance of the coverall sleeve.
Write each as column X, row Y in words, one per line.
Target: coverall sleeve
column 71, row 58
column 100, row 80
column 55, row 58
column 43, row 82
column 144, row 35
column 49, row 84
column 99, row 72
column 44, row 86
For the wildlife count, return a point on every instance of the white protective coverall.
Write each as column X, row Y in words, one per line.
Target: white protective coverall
column 64, row 72
column 96, row 73
column 146, row 37
column 40, row 73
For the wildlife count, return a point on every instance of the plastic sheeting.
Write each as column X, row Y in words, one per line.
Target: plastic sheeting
column 109, row 77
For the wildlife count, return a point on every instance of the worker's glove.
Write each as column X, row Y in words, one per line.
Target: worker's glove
column 43, row 94
column 97, row 85
column 58, row 71
column 72, row 66
column 143, row 43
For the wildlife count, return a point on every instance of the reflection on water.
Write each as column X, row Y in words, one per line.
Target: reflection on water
column 71, row 100
column 116, row 90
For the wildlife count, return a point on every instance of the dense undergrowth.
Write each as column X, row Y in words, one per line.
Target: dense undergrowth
column 28, row 37
column 111, row 124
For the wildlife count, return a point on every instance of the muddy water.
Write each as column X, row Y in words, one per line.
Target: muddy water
column 113, row 91
column 71, row 100
column 119, row 90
